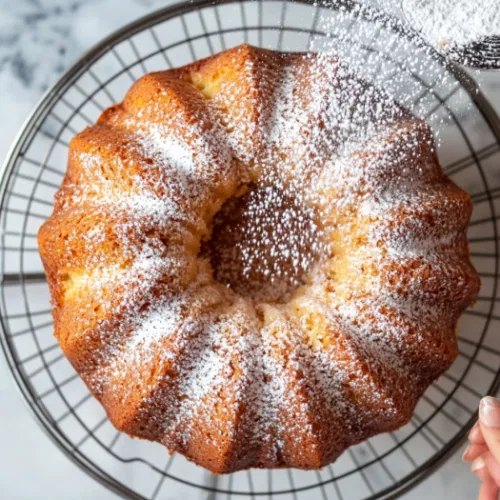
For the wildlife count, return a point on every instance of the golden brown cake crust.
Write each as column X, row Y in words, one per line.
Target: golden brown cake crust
column 176, row 347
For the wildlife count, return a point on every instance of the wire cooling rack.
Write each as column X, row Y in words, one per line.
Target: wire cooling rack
column 469, row 150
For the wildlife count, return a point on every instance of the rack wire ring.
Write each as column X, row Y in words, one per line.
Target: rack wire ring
column 45, row 379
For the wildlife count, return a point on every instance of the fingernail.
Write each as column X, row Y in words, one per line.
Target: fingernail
column 464, row 456
column 489, row 411
column 478, row 464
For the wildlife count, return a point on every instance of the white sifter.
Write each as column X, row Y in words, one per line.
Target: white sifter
column 383, row 52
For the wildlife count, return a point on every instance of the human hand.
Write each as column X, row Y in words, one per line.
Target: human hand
column 484, row 450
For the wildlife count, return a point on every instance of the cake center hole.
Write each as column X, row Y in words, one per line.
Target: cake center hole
column 263, row 244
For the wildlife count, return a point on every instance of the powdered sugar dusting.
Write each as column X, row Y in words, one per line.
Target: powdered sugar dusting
column 245, row 277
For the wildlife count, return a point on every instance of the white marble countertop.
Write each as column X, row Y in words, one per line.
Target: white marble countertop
column 38, row 39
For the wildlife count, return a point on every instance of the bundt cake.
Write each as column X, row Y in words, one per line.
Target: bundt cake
column 257, row 261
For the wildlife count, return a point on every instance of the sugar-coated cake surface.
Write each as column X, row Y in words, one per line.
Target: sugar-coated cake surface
column 257, row 261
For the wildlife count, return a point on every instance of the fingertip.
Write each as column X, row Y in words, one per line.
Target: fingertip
column 479, row 469
column 475, row 435
column 473, row 451
column 477, row 465
column 489, row 412
column 489, row 418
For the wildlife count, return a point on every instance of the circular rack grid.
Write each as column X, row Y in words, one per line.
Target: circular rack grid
column 469, row 150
